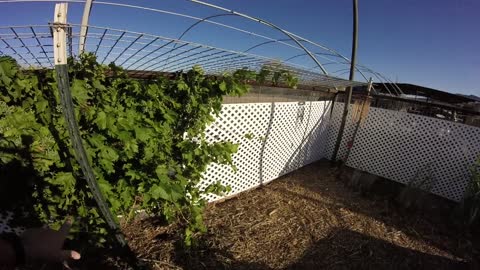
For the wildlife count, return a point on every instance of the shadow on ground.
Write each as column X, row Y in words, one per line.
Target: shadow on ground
column 341, row 249
column 433, row 222
column 346, row 249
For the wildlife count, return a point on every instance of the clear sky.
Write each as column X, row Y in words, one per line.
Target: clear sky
column 435, row 43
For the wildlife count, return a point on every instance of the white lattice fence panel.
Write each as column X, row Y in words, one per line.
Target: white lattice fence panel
column 334, row 126
column 296, row 138
column 274, row 138
column 400, row 146
column 317, row 131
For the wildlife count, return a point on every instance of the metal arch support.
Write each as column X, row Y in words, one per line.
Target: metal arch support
column 288, row 34
column 203, row 20
column 287, row 39
column 268, row 42
column 377, row 75
column 190, row 28
column 61, row 68
column 196, row 18
column 233, row 14
column 381, row 81
column 84, row 27
column 174, row 40
column 381, row 77
column 351, row 77
column 329, row 63
column 324, row 64
column 271, row 25
column 182, row 15
column 343, row 69
column 303, row 54
column 291, row 37
column 391, row 82
column 354, row 43
column 260, row 44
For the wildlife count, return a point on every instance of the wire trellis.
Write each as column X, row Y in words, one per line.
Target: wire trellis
column 144, row 53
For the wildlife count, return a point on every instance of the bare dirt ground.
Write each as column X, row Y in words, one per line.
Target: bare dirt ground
column 309, row 219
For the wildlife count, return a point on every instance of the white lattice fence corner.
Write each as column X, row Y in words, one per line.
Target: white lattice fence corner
column 274, row 138
column 402, row 146
column 334, row 126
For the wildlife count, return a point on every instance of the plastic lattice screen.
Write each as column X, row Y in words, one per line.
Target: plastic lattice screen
column 401, row 146
column 334, row 126
column 274, row 138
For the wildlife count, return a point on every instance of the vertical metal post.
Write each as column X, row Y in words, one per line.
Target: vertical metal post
column 84, row 27
column 60, row 34
column 354, row 42
column 370, row 86
column 367, row 99
column 60, row 53
column 351, row 77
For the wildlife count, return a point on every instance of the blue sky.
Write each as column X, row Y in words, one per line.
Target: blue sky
column 431, row 43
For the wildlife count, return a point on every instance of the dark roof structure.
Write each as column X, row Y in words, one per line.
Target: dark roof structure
column 417, row 90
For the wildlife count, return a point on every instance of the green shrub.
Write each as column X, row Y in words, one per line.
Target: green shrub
column 145, row 140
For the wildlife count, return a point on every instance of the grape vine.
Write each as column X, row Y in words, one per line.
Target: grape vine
column 145, row 140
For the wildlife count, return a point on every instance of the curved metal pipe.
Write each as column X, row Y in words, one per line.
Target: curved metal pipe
column 190, row 28
column 288, row 34
column 343, row 69
column 158, row 11
column 303, row 54
column 334, row 52
column 195, row 18
column 202, row 20
column 379, row 79
column 391, row 82
column 260, row 44
column 233, row 13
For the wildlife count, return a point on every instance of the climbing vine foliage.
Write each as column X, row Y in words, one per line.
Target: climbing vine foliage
column 145, row 140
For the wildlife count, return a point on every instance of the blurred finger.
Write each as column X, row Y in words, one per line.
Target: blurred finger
column 70, row 255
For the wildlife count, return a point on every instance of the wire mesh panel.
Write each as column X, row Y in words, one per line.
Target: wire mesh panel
column 30, row 45
column 143, row 54
column 256, row 43
column 402, row 147
column 274, row 138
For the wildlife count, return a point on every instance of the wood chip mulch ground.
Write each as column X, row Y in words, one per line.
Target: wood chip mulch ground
column 309, row 219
